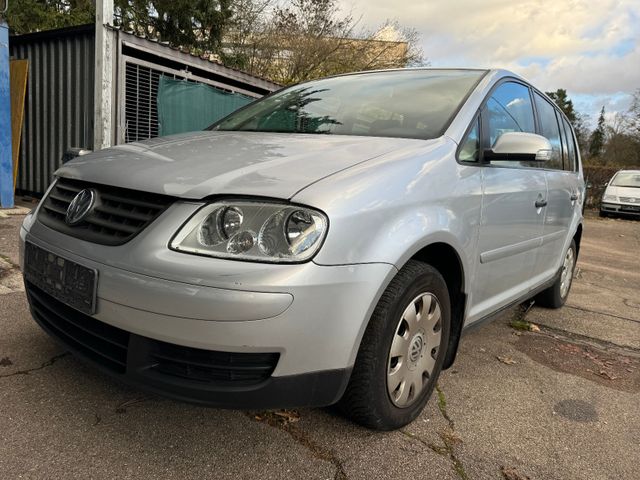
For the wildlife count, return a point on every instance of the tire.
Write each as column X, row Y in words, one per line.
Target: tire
column 556, row 295
column 603, row 214
column 368, row 400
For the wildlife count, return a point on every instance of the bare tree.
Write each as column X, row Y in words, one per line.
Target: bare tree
column 306, row 39
column 622, row 139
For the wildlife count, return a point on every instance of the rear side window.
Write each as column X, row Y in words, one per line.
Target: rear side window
column 549, row 128
column 571, row 163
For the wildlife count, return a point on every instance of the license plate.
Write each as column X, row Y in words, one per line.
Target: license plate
column 61, row 278
column 630, row 208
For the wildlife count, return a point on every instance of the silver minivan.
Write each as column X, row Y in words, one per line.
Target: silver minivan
column 329, row 243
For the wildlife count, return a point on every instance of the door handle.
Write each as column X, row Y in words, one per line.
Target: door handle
column 541, row 202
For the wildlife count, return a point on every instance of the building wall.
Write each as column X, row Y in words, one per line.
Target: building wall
column 59, row 101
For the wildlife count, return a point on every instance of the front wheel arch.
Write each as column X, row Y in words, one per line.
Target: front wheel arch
column 444, row 258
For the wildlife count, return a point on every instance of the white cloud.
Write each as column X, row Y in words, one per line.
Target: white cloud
column 589, row 48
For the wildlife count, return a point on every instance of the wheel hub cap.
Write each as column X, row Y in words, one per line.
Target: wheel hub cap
column 567, row 273
column 414, row 349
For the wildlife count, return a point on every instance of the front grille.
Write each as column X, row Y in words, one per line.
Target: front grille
column 109, row 347
column 211, row 367
column 629, row 200
column 119, row 214
column 100, row 342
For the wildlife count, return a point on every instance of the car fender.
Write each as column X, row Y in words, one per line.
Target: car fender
column 387, row 210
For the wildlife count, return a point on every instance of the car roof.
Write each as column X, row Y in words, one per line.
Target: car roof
column 412, row 69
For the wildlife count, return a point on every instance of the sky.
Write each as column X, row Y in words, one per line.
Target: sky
column 590, row 48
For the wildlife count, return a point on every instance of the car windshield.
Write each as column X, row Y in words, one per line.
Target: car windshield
column 401, row 103
column 626, row 179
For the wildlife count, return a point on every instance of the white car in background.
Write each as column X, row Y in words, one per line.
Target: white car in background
column 622, row 195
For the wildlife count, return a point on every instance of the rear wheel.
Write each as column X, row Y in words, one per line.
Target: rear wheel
column 402, row 351
column 556, row 295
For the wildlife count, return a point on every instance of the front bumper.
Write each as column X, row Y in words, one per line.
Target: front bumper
column 310, row 317
column 218, row 379
column 620, row 208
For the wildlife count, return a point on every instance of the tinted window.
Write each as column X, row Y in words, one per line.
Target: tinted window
column 549, row 129
column 410, row 104
column 470, row 148
column 508, row 109
column 572, row 161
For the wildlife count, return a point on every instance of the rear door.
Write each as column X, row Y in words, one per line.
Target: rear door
column 563, row 186
column 511, row 223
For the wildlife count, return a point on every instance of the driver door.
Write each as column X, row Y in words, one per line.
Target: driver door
column 512, row 219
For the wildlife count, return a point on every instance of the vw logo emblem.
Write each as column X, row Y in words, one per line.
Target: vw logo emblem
column 80, row 206
column 416, row 348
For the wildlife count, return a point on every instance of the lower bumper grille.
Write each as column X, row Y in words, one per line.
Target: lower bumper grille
column 100, row 342
column 209, row 366
column 122, row 352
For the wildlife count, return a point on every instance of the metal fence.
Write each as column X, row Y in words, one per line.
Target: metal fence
column 59, row 100
column 141, row 112
column 143, row 62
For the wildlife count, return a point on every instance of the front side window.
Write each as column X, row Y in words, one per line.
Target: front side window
column 549, row 128
column 508, row 109
column 406, row 104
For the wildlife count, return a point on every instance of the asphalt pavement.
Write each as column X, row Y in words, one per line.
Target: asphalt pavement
column 536, row 394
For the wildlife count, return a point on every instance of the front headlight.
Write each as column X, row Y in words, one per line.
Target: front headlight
column 610, row 198
column 258, row 231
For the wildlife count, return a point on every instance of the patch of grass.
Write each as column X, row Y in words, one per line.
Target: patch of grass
column 449, row 438
column 519, row 324
column 442, row 400
column 459, row 469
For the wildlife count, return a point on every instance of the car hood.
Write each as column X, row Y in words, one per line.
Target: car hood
column 631, row 192
column 197, row 165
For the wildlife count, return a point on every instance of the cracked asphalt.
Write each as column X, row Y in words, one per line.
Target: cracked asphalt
column 556, row 398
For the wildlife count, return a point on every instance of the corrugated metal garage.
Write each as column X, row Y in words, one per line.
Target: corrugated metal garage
column 59, row 105
column 59, row 100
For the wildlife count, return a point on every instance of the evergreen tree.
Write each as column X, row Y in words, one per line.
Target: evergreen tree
column 576, row 119
column 596, row 141
column 564, row 102
column 197, row 25
column 27, row 16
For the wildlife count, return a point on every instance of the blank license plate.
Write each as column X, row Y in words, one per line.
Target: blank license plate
column 61, row 278
column 630, row 208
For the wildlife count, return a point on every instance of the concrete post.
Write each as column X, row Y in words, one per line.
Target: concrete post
column 104, row 83
column 6, row 159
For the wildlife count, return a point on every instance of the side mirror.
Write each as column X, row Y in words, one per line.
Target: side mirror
column 73, row 153
column 520, row 146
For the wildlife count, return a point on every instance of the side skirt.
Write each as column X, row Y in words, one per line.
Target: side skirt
column 528, row 296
